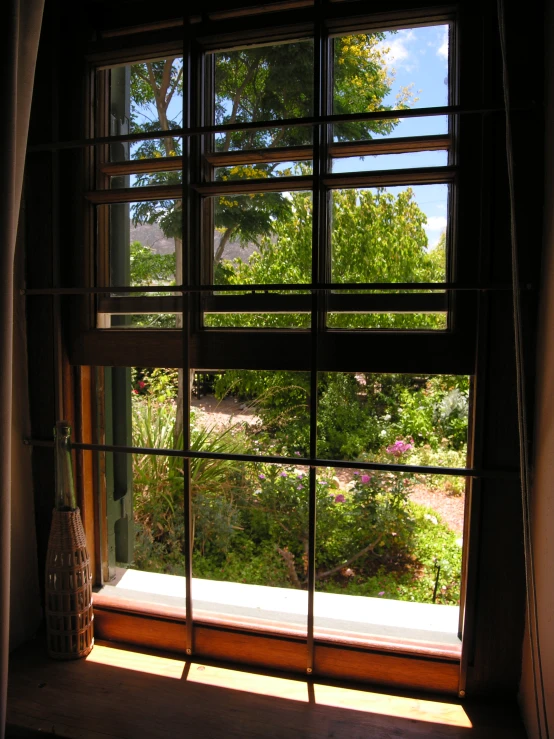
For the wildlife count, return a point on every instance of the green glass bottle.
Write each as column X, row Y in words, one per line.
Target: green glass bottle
column 65, row 489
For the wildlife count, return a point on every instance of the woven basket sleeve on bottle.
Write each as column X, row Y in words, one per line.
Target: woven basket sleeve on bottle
column 68, row 588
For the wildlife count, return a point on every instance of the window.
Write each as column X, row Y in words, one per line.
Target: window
column 276, row 212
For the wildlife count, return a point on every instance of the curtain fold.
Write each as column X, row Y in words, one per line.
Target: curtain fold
column 19, row 38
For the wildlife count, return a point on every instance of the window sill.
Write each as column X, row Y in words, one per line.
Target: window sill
column 420, row 627
column 232, row 633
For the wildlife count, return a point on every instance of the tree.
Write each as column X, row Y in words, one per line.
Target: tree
column 276, row 82
column 264, row 83
column 376, row 237
column 154, row 86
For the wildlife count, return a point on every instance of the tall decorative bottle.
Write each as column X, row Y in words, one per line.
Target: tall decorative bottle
column 68, row 577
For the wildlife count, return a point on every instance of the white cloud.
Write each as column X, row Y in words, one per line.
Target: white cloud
column 398, row 54
column 436, row 223
column 442, row 51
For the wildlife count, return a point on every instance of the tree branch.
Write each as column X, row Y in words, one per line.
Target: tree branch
column 289, row 561
column 159, row 97
column 236, row 101
column 171, row 92
column 361, row 553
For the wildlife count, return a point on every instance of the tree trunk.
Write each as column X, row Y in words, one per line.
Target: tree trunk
column 222, row 244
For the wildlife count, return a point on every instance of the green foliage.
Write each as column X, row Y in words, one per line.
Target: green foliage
column 442, row 457
column 281, row 399
column 159, row 385
column 158, row 485
column 346, row 425
column 358, row 414
column 251, row 520
column 438, row 411
column 376, row 237
column 149, row 268
column 413, row 578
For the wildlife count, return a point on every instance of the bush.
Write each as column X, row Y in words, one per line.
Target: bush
column 158, row 498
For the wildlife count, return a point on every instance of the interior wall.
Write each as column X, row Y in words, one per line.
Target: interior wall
column 543, row 488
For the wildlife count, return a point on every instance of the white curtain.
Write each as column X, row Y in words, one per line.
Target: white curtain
column 19, row 37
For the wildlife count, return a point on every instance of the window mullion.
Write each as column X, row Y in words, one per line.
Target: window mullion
column 319, row 246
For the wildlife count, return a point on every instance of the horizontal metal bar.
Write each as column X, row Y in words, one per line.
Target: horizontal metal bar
column 135, row 194
column 296, row 461
column 273, row 303
column 283, row 123
column 142, row 166
column 274, row 287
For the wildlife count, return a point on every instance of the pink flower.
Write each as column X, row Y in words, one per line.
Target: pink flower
column 261, row 476
column 381, row 593
column 400, row 447
column 365, row 478
column 339, row 498
column 282, row 474
column 141, row 384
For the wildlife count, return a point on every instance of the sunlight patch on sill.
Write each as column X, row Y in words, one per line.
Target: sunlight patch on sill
column 449, row 714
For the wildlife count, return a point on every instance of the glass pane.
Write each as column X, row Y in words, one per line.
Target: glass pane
column 145, row 538
column 264, row 138
column 251, row 542
column 396, row 321
column 144, row 491
column 144, row 97
column 145, row 320
column 263, row 171
column 389, row 557
column 147, row 96
column 264, row 83
column 390, row 161
column 389, row 234
column 252, row 412
column 393, row 418
column 391, row 70
column 262, row 238
column 146, row 180
column 145, row 242
column 257, row 320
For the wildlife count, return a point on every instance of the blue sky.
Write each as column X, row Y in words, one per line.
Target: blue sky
column 418, row 59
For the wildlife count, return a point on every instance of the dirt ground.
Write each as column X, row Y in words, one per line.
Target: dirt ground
column 218, row 414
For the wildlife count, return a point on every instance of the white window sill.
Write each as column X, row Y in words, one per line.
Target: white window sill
column 348, row 615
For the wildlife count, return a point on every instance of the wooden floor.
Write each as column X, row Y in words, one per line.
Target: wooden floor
column 118, row 692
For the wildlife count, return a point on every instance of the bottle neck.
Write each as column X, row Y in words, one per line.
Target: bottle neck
column 65, row 491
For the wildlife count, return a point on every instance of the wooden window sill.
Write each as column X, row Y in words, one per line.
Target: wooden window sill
column 270, row 644
column 122, row 692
